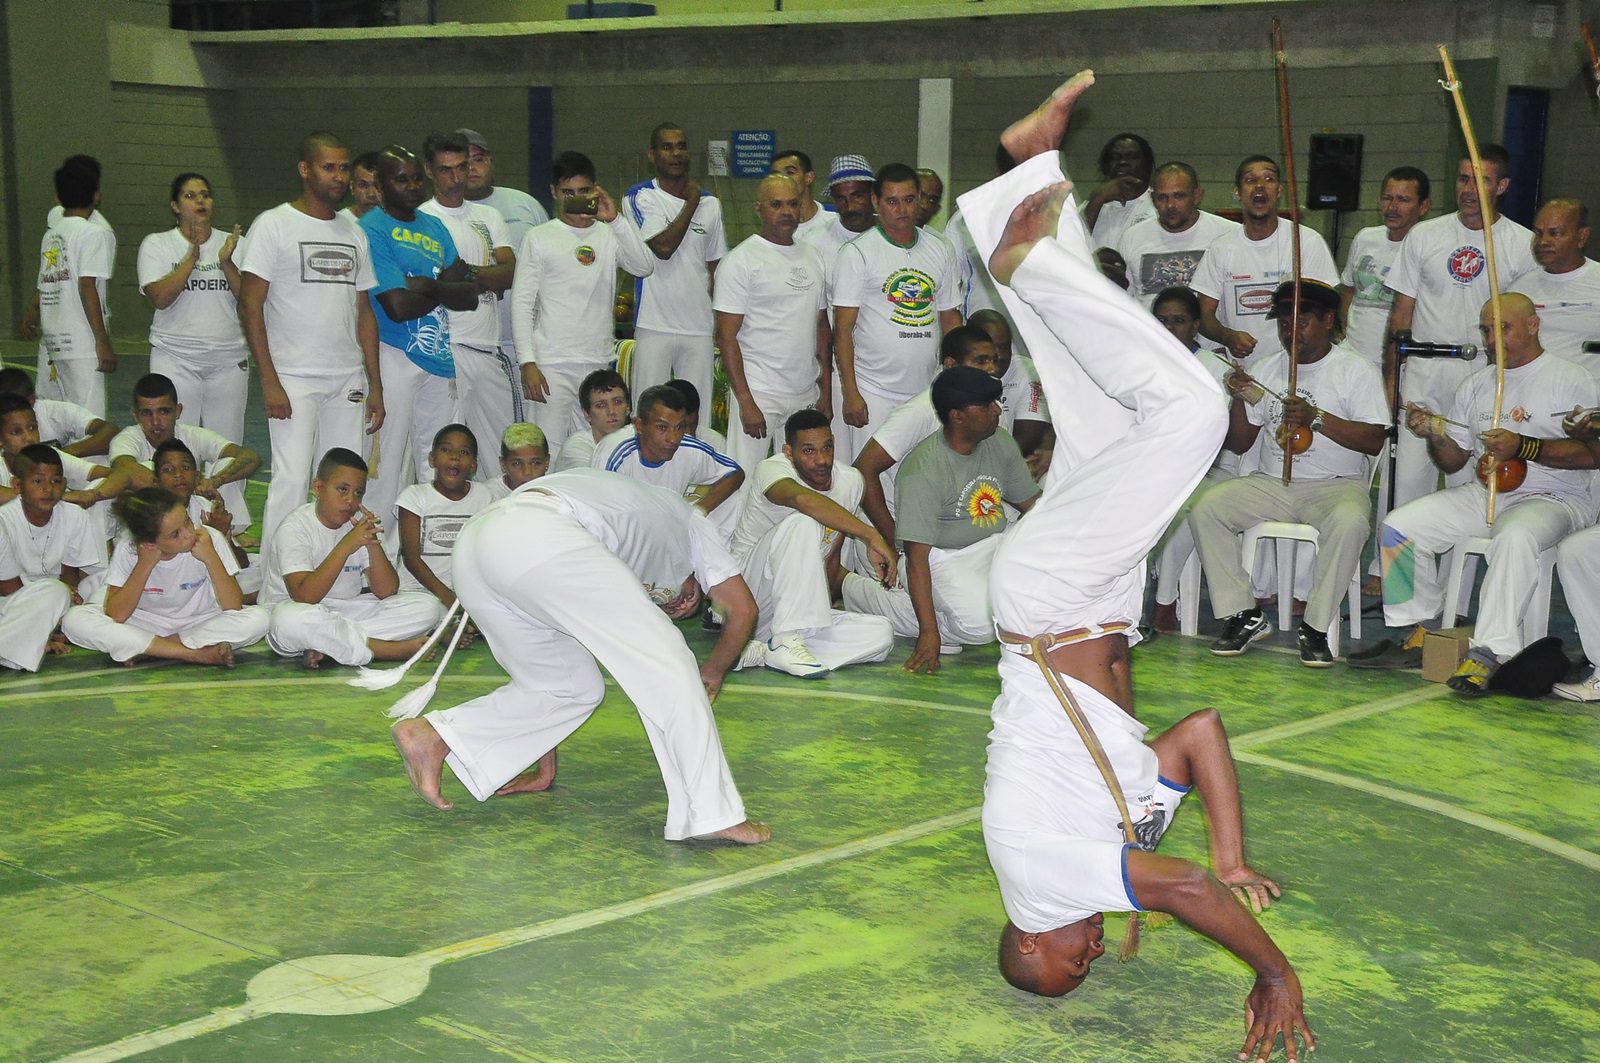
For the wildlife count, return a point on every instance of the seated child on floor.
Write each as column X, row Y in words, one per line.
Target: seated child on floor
column 45, row 549
column 170, row 591
column 175, row 470
column 524, row 456
column 332, row 589
column 87, row 484
column 431, row 515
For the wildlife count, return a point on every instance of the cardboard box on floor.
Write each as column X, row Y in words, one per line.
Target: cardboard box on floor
column 1442, row 652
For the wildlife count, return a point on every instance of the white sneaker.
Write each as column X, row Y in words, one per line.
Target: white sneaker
column 754, row 655
column 1585, row 689
column 789, row 653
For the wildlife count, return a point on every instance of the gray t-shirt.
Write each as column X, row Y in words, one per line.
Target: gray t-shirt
column 949, row 500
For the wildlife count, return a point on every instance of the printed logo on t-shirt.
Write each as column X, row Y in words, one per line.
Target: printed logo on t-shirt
column 1167, row 269
column 1252, row 299
column 1520, row 414
column 442, row 533
column 488, row 241
column 910, row 294
column 585, row 255
column 1466, row 263
column 799, row 279
column 1369, row 289
column 326, row 263
column 982, row 503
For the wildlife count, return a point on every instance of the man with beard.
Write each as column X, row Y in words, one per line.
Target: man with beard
column 1165, row 250
column 850, row 186
column 788, row 541
column 312, row 334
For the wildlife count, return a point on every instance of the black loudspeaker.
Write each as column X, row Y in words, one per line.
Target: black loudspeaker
column 1335, row 180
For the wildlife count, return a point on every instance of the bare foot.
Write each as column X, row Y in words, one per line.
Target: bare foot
column 1253, row 889
column 1042, row 130
column 1033, row 219
column 312, row 659
column 218, row 653
column 750, row 832
column 424, row 752
column 58, row 646
column 540, row 779
column 1164, row 618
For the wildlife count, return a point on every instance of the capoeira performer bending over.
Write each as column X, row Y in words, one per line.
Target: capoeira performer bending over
column 1142, row 422
column 550, row 613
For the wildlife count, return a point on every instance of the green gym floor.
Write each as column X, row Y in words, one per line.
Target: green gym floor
column 200, row 865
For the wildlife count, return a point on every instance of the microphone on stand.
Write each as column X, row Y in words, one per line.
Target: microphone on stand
column 1407, row 347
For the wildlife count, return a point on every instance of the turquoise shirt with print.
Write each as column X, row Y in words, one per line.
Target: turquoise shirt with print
column 417, row 248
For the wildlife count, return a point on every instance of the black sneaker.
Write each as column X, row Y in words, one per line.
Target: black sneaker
column 709, row 622
column 1314, row 651
column 1243, row 629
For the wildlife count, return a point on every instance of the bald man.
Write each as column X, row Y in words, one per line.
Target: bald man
column 930, row 195
column 1554, row 500
column 1066, row 588
column 771, row 325
column 1565, row 289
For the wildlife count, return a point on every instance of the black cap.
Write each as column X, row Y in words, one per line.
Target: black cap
column 961, row 386
column 1533, row 672
column 1314, row 295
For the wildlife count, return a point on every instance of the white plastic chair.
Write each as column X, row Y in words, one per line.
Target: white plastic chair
column 1535, row 622
column 1289, row 536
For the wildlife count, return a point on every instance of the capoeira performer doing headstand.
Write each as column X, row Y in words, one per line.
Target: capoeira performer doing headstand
column 1142, row 423
column 549, row 613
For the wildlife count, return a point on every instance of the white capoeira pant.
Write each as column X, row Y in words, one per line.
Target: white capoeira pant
column 488, row 399
column 89, row 626
column 1414, row 535
column 776, row 410
column 560, row 414
column 662, row 356
column 214, row 392
column 27, row 620
column 418, row 407
column 324, row 412
column 1578, row 563
column 789, row 581
column 851, row 440
column 1138, row 422
column 960, row 595
column 1338, row 508
column 340, row 627
column 76, row 380
column 549, row 615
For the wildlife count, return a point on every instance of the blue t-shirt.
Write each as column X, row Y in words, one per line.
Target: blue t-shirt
column 418, row 248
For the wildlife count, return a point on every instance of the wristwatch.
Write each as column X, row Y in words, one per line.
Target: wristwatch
column 1316, row 422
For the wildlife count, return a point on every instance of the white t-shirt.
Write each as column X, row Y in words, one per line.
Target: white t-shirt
column 695, row 464
column 178, row 591
column 898, row 293
column 658, row 535
column 1116, row 218
column 78, row 473
column 1241, row 274
column 1372, row 255
column 826, row 234
column 564, row 294
column 33, row 554
column 477, row 231
column 202, row 323
column 1159, row 259
column 907, row 425
column 677, row 297
column 72, row 248
column 206, row 445
column 779, row 291
column 57, row 212
column 1568, row 305
column 1443, row 266
column 760, row 514
column 1536, row 398
column 1022, row 397
column 62, row 422
column 315, row 270
column 442, row 520
column 1342, row 383
column 520, row 212
column 577, row 452
column 299, row 545
column 822, row 219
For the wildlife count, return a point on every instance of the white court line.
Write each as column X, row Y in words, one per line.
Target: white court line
column 1571, row 853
